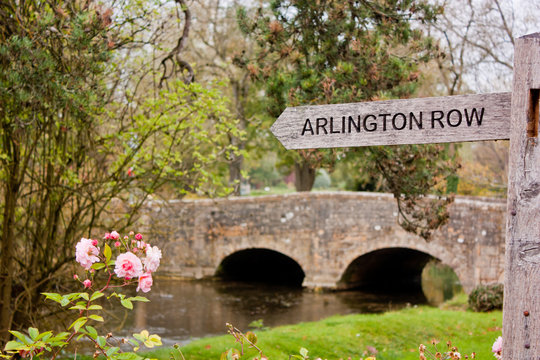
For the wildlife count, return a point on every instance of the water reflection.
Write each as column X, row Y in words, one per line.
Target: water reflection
column 439, row 283
column 182, row 310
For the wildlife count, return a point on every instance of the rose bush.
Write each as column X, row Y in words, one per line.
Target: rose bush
column 135, row 262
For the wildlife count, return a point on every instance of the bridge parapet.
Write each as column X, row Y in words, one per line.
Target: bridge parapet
column 324, row 232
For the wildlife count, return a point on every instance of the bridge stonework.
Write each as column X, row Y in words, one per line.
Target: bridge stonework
column 324, row 232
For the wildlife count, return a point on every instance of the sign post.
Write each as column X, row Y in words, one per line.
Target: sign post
column 513, row 116
column 521, row 310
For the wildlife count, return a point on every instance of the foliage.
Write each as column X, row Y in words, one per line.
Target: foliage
column 86, row 134
column 319, row 52
column 333, row 52
column 85, row 305
column 484, row 169
column 323, row 180
column 486, row 297
column 216, row 40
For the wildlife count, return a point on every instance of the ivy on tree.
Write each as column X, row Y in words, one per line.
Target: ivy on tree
column 332, row 51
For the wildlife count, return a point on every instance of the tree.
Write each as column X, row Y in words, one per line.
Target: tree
column 216, row 40
column 484, row 169
column 78, row 136
column 324, row 52
column 477, row 37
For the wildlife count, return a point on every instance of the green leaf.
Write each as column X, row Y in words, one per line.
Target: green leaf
column 107, row 252
column 127, row 304
column 101, row 341
column 98, row 266
column 120, row 296
column 95, row 317
column 133, row 342
column 303, row 352
column 96, row 295
column 129, row 356
column 25, row 339
column 33, row 332
column 61, row 336
column 53, row 296
column 141, row 337
column 95, row 307
column 111, row 351
column 155, row 339
column 72, row 296
column 138, row 298
column 45, row 335
column 65, row 300
column 76, row 325
column 83, row 295
column 13, row 345
column 78, row 307
column 92, row 332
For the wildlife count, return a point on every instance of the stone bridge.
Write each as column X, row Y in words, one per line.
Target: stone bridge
column 324, row 239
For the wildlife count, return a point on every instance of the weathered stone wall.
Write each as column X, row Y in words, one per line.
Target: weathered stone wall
column 324, row 232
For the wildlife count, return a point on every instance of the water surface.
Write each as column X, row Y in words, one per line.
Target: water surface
column 180, row 311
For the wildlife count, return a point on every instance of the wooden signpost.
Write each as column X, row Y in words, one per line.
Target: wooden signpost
column 513, row 116
column 394, row 122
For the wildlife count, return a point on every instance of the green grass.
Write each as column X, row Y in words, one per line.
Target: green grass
column 396, row 335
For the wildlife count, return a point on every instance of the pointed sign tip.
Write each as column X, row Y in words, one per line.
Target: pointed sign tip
column 535, row 35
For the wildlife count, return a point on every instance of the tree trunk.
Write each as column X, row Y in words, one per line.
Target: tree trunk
column 240, row 91
column 304, row 176
column 6, row 260
column 235, row 173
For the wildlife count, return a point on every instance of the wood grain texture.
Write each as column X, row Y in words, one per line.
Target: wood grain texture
column 443, row 119
column 521, row 333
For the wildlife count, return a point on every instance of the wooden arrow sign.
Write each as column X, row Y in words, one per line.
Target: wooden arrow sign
column 410, row 121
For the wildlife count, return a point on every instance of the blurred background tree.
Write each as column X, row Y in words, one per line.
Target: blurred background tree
column 326, row 52
column 96, row 119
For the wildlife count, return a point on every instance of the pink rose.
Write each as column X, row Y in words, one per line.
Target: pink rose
column 128, row 266
column 138, row 236
column 497, row 348
column 114, row 235
column 87, row 283
column 145, row 282
column 153, row 255
column 86, row 253
column 76, row 277
column 117, row 244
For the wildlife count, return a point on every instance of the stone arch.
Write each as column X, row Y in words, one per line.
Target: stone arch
column 410, row 257
column 261, row 264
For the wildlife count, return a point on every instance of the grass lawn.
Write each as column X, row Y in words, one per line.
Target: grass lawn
column 395, row 335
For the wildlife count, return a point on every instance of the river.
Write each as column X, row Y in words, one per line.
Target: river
column 180, row 311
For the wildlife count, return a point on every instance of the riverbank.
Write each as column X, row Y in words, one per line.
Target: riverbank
column 395, row 335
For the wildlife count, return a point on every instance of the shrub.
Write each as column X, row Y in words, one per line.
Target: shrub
column 486, row 298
